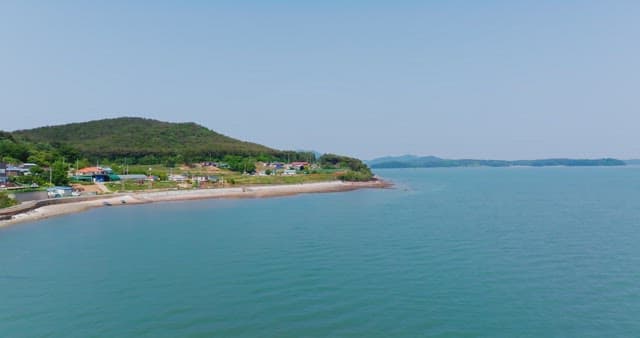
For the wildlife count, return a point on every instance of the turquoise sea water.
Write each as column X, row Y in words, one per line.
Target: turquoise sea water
column 450, row 252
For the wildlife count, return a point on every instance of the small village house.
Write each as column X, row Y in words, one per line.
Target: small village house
column 134, row 177
column 95, row 174
column 298, row 165
column 177, row 178
column 91, row 171
column 4, row 178
column 200, row 179
column 28, row 166
column 12, row 170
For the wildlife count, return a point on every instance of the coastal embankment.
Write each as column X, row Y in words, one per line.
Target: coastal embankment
column 37, row 210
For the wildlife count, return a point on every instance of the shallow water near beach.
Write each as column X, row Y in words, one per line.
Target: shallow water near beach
column 448, row 252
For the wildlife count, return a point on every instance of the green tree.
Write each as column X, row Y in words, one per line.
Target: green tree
column 36, row 175
column 356, row 169
column 18, row 151
column 82, row 163
column 9, row 159
column 6, row 201
column 41, row 158
column 249, row 165
column 59, row 173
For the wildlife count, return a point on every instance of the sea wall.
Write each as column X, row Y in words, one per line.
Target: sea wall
column 7, row 213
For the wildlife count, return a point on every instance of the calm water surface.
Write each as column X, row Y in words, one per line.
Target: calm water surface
column 449, row 252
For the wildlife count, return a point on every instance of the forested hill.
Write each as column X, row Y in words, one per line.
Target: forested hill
column 138, row 138
column 409, row 161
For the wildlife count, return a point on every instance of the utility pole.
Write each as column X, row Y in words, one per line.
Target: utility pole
column 50, row 175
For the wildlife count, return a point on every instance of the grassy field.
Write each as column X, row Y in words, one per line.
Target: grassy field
column 229, row 181
column 162, row 170
column 135, row 186
column 229, row 178
column 294, row 179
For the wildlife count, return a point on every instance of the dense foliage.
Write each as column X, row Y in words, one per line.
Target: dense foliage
column 357, row 170
column 435, row 162
column 240, row 164
column 134, row 140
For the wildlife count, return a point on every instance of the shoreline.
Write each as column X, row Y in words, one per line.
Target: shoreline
column 133, row 198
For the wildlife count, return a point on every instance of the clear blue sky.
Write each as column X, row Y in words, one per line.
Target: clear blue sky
column 481, row 79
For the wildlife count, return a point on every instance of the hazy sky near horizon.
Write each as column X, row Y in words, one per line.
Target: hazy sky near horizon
column 474, row 79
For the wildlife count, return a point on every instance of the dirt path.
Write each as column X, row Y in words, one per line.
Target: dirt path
column 102, row 187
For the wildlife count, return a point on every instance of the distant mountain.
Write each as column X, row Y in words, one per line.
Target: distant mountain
column 632, row 162
column 138, row 137
column 404, row 158
column 410, row 161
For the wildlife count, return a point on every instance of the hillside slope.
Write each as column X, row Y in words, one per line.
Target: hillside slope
column 136, row 137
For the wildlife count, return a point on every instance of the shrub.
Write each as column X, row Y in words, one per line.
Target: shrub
column 6, row 201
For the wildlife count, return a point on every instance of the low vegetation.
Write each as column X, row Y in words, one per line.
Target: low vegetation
column 279, row 179
column 138, row 186
column 6, row 201
column 354, row 169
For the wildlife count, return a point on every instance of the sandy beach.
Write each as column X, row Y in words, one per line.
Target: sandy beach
column 73, row 206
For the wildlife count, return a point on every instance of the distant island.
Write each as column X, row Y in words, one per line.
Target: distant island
column 632, row 162
column 411, row 161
